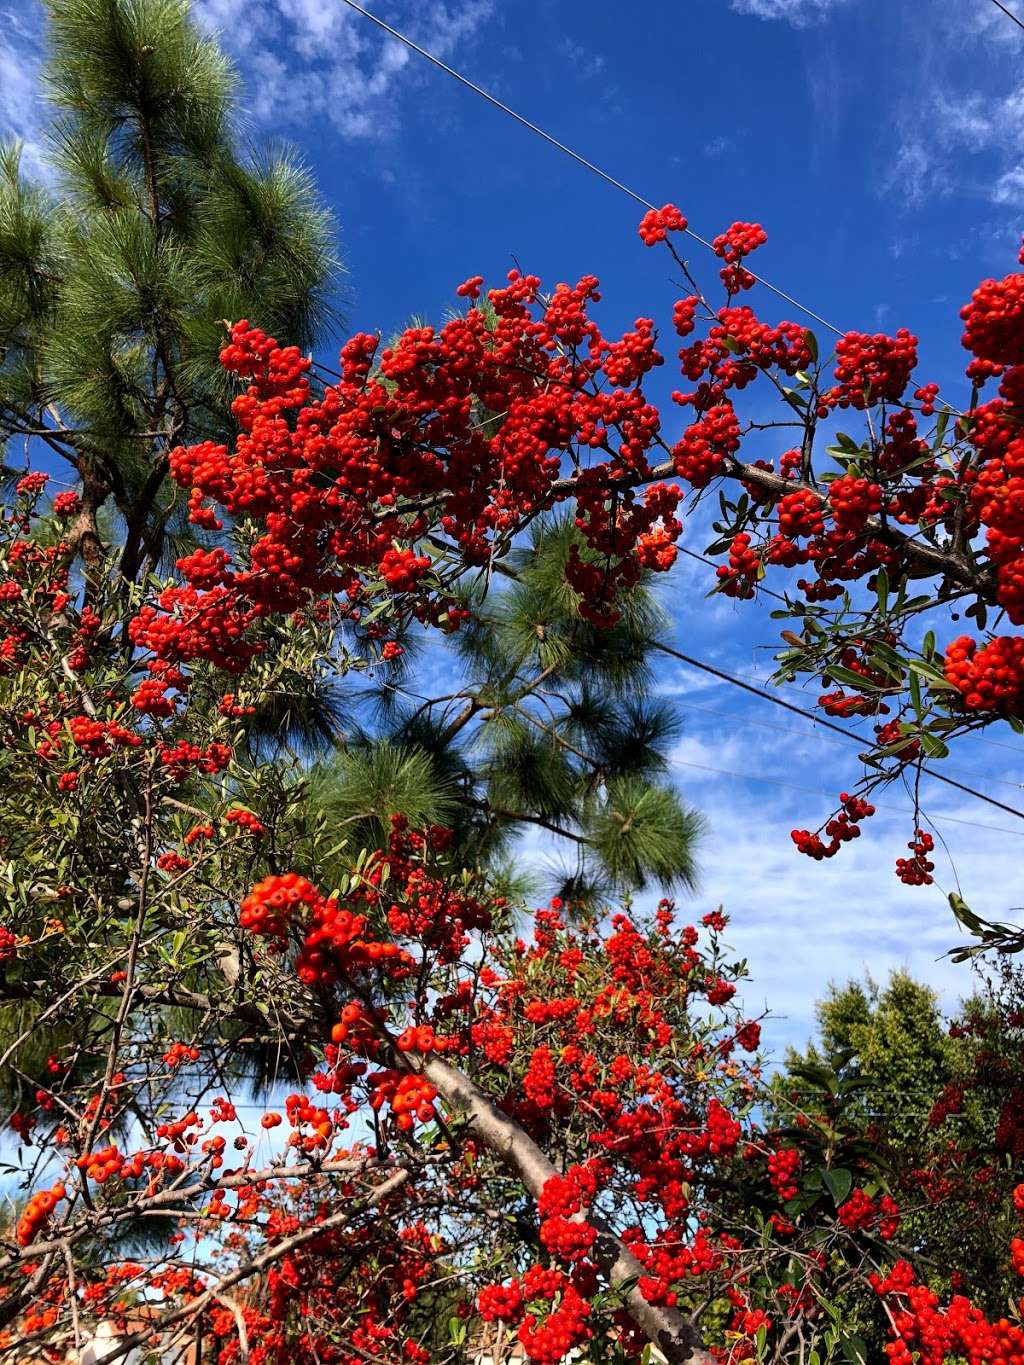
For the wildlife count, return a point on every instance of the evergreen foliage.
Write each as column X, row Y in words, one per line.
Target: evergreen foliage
column 117, row 279
column 549, row 723
column 938, row 1103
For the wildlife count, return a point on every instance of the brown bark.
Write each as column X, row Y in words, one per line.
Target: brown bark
column 83, row 533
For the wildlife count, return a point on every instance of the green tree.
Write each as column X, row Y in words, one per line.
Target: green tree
column 932, row 1104
column 895, row 1040
column 116, row 279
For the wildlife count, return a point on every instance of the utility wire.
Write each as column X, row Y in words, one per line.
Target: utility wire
column 826, row 724
column 780, row 597
column 1009, row 13
column 817, row 791
column 795, row 730
column 568, row 151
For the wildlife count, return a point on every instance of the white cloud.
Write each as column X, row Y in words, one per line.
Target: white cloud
column 802, row 924
column 309, row 62
column 303, row 63
column 799, row 13
column 1009, row 188
column 23, row 114
column 586, row 63
column 962, row 117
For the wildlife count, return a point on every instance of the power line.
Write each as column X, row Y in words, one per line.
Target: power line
column 566, row 150
column 795, row 730
column 780, row 293
column 817, row 791
column 824, row 723
column 646, row 203
column 1009, row 13
column 780, row 597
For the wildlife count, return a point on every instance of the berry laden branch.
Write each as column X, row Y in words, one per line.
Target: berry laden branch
column 426, row 458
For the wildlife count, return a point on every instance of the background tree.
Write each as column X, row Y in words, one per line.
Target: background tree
column 545, row 720
column 938, row 1100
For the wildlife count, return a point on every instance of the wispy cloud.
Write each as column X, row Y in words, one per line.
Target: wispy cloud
column 803, row 924
column 1009, row 188
column 799, row 13
column 306, row 62
column 586, row 63
column 962, row 117
column 22, row 111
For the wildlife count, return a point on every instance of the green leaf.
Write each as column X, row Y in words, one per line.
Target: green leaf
column 963, row 912
column 848, row 678
column 839, row 1183
column 800, row 1203
column 882, row 590
column 812, row 344
column 935, row 678
column 915, row 696
column 933, row 747
column 855, row 1349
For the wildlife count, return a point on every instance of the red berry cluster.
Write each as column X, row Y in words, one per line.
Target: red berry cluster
column 801, row 514
column 410, row 1097
column 549, row 1341
column 268, row 906
column 990, row 678
column 783, row 1168
column 245, row 820
column 501, row 1302
column 180, row 1052
column 732, row 246
column 871, row 369
column 568, row 1238
column 917, row 870
column 38, row 1211
column 853, row 500
column 657, row 223
column 705, row 447
column 739, row 578
column 860, row 1212
column 993, row 320
column 99, row 738
column 843, row 827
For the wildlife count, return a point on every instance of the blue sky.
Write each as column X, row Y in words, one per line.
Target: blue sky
column 882, row 146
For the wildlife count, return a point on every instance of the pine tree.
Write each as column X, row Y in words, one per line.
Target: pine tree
column 115, row 281
column 542, row 720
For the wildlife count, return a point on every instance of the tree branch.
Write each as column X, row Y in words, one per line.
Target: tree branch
column 673, row 1333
